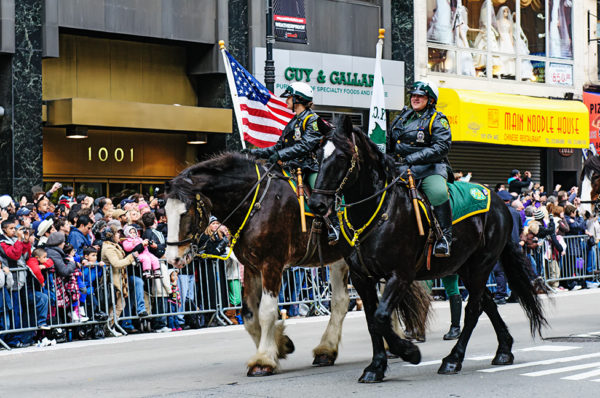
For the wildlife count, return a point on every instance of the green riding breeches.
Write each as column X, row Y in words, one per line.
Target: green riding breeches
column 450, row 283
column 435, row 189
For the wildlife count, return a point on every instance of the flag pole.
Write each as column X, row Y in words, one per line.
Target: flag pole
column 234, row 96
column 377, row 114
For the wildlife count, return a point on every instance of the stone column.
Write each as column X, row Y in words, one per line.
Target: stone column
column 21, row 97
column 403, row 33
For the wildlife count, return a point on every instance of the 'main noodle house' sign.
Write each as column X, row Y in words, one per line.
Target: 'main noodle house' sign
column 337, row 80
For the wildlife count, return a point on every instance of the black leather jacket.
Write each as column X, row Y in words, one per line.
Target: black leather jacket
column 297, row 146
column 411, row 142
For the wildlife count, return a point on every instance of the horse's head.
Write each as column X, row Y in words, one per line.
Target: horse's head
column 185, row 217
column 338, row 158
column 590, row 185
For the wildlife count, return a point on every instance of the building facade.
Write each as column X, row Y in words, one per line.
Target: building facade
column 512, row 75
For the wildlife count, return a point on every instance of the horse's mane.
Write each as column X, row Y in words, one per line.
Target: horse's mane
column 591, row 165
column 340, row 140
column 182, row 186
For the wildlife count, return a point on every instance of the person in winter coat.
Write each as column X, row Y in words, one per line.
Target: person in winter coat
column 157, row 243
column 6, row 282
column 161, row 291
column 113, row 255
column 67, row 272
column 39, row 264
column 132, row 242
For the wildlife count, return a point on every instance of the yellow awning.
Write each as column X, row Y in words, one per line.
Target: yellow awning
column 507, row 119
column 137, row 115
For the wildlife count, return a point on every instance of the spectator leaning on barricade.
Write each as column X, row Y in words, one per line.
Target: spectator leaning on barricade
column 114, row 256
column 576, row 247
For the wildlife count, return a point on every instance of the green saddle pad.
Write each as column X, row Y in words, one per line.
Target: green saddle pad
column 467, row 199
column 293, row 184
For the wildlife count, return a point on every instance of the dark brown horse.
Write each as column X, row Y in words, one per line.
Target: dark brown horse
column 590, row 185
column 266, row 216
column 391, row 248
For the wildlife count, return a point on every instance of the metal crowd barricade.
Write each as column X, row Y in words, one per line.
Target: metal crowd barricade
column 579, row 262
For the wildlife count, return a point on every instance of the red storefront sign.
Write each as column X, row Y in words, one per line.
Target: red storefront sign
column 592, row 101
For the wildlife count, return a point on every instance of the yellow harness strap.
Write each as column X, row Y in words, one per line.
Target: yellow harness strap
column 237, row 234
column 345, row 221
column 304, row 122
column 431, row 121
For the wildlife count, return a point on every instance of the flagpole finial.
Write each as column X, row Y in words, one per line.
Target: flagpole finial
column 381, row 33
column 221, row 45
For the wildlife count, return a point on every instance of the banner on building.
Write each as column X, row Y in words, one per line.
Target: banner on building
column 289, row 19
column 592, row 101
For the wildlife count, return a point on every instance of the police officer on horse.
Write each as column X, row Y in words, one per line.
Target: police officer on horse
column 299, row 141
column 420, row 139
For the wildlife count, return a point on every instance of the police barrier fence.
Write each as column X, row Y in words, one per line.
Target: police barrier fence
column 90, row 303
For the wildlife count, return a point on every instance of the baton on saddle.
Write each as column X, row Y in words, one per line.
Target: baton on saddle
column 300, row 194
column 413, row 195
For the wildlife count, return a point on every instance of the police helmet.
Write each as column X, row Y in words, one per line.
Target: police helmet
column 424, row 87
column 302, row 91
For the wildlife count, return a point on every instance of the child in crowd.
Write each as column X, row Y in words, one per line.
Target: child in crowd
column 92, row 271
column 132, row 242
column 75, row 287
column 174, row 300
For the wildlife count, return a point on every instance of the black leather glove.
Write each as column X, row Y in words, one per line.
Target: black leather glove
column 273, row 158
column 245, row 151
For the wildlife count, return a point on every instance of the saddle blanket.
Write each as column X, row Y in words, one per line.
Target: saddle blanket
column 466, row 200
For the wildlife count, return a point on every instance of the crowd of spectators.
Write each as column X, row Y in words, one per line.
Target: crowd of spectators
column 57, row 256
column 545, row 225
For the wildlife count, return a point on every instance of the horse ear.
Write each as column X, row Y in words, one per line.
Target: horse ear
column 347, row 126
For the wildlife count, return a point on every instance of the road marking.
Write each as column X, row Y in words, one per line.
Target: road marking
column 481, row 358
column 550, row 348
column 562, row 370
column 590, row 334
column 581, row 376
column 427, row 363
column 544, row 362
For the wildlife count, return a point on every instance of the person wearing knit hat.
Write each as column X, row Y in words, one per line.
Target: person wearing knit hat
column 55, row 239
column 538, row 214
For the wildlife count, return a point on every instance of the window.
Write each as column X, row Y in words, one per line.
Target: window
column 518, row 40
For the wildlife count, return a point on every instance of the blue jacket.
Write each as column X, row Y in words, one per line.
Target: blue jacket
column 576, row 225
column 78, row 240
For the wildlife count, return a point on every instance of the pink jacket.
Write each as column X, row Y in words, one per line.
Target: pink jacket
column 130, row 243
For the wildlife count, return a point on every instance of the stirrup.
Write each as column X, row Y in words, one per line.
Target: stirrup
column 446, row 252
column 333, row 236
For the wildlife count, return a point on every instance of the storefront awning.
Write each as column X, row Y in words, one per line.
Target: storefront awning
column 137, row 115
column 505, row 119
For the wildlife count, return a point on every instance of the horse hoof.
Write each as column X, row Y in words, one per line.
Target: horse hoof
column 449, row 368
column 503, row 359
column 289, row 345
column 260, row 371
column 370, row 377
column 412, row 355
column 323, row 360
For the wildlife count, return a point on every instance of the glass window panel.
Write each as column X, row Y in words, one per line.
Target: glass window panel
column 153, row 189
column 439, row 22
column 533, row 27
column 559, row 29
column 539, row 71
column 527, row 70
column 440, row 60
column 93, row 189
column 120, row 191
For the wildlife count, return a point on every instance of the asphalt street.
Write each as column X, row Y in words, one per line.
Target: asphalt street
column 211, row 362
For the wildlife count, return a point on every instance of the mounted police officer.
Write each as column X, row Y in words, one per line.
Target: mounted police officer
column 299, row 141
column 420, row 139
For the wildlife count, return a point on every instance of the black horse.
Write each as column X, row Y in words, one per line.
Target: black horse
column 391, row 248
column 262, row 207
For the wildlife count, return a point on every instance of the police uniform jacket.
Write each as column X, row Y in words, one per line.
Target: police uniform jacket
column 297, row 145
column 412, row 143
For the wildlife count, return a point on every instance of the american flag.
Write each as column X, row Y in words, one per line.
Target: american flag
column 263, row 115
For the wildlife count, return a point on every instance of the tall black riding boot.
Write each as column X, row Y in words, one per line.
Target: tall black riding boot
column 333, row 233
column 443, row 213
column 455, row 311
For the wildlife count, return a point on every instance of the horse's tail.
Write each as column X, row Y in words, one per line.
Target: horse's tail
column 523, row 283
column 414, row 308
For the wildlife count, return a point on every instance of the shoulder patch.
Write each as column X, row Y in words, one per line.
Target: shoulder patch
column 444, row 123
column 315, row 125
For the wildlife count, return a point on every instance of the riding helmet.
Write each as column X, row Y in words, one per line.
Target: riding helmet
column 424, row 87
column 301, row 91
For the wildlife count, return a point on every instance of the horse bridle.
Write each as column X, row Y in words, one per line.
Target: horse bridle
column 199, row 212
column 337, row 193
